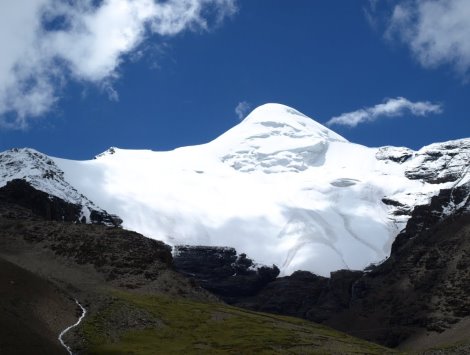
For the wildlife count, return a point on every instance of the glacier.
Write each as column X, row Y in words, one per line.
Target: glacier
column 278, row 186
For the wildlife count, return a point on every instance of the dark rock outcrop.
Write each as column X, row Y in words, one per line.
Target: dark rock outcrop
column 221, row 271
column 448, row 203
column 42, row 174
column 424, row 285
column 305, row 295
column 49, row 207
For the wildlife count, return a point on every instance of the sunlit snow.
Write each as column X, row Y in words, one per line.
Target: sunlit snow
column 278, row 186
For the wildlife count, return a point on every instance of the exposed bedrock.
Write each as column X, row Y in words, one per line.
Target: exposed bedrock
column 50, row 207
column 221, row 271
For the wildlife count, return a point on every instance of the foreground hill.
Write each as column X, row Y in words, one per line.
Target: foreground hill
column 279, row 187
column 33, row 311
column 135, row 302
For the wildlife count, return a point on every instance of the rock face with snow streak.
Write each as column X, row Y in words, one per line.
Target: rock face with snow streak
column 441, row 162
column 279, row 187
column 60, row 200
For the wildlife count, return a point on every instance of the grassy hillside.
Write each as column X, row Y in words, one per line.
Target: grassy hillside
column 162, row 325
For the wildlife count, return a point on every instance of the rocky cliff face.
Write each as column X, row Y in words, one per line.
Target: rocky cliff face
column 221, row 271
column 305, row 295
column 423, row 286
column 238, row 281
column 448, row 203
column 427, row 268
column 446, row 164
column 32, row 172
column 49, row 207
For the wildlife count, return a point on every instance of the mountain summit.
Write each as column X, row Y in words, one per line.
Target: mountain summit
column 275, row 138
column 278, row 186
column 279, row 116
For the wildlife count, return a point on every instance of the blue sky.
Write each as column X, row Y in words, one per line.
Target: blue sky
column 175, row 86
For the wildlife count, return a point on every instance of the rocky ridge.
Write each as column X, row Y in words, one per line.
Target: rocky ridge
column 445, row 163
column 50, row 207
column 42, row 174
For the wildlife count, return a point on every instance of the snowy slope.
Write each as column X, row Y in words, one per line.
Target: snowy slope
column 278, row 186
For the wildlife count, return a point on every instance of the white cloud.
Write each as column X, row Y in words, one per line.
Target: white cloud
column 436, row 31
column 389, row 108
column 44, row 43
column 242, row 109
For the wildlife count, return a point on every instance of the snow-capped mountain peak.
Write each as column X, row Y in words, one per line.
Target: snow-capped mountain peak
column 278, row 186
column 275, row 138
column 277, row 116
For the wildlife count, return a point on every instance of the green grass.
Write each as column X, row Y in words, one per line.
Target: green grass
column 186, row 327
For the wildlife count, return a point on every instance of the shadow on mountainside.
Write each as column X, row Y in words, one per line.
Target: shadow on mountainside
column 33, row 312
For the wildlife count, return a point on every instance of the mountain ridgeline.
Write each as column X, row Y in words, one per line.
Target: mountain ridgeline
column 278, row 214
column 278, row 187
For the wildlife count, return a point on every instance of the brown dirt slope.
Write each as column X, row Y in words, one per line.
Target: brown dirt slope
column 33, row 312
